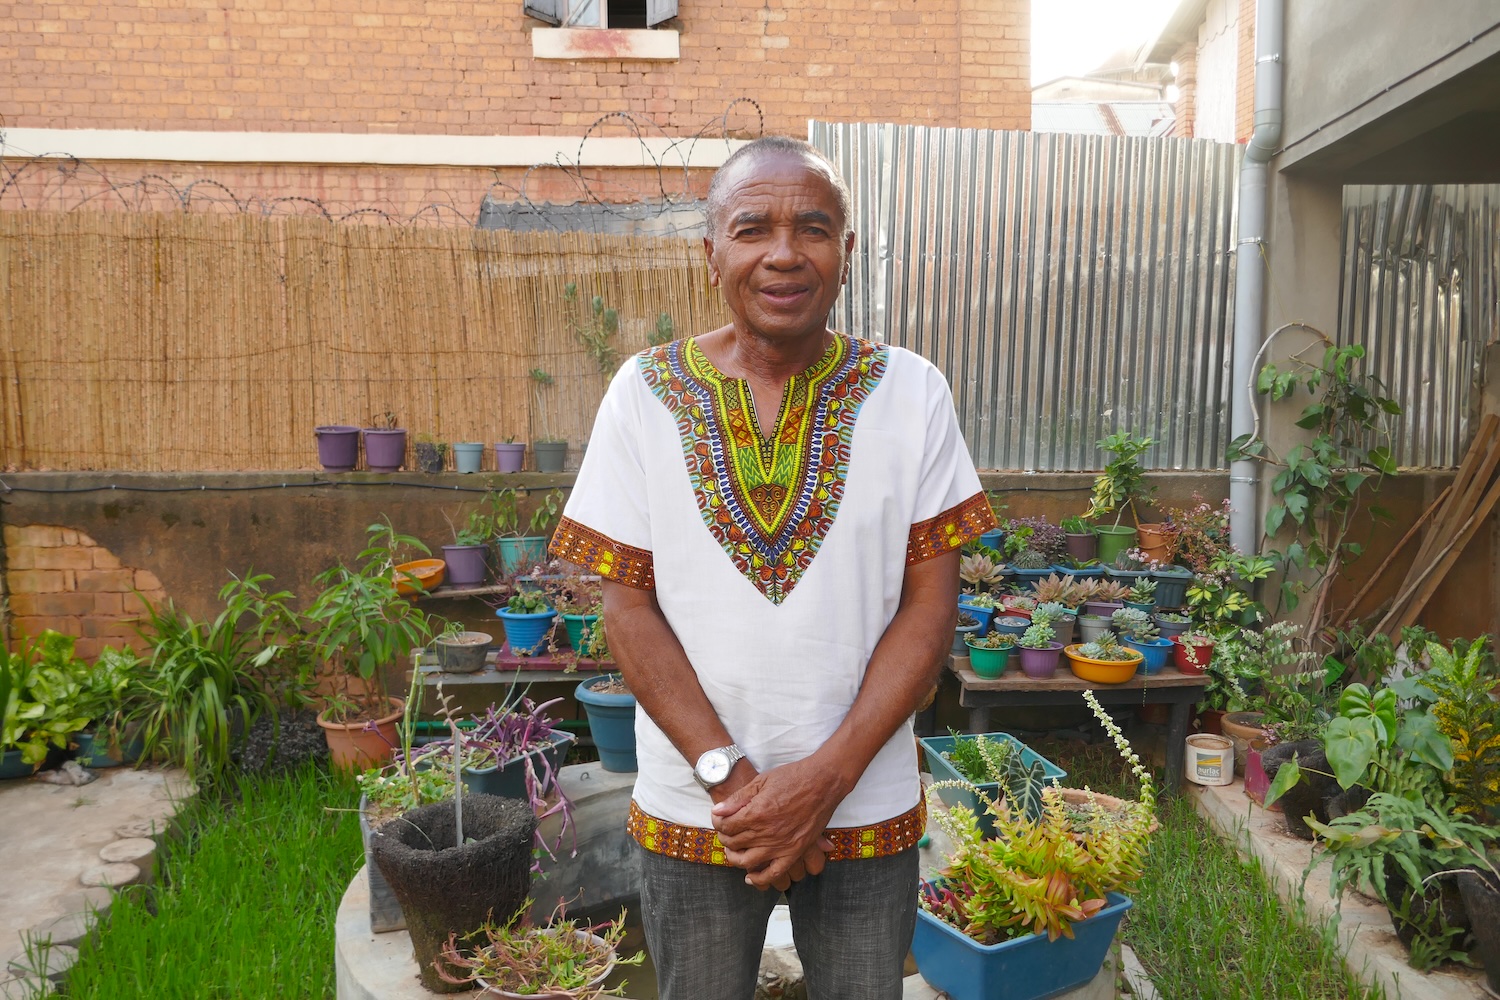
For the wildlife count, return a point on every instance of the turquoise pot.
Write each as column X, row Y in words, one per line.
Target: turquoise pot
column 1149, row 608
column 611, row 723
column 576, row 626
column 1023, row 968
column 11, row 766
column 526, row 633
column 520, row 554
column 96, row 755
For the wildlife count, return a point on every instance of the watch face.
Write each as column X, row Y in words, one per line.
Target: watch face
column 713, row 766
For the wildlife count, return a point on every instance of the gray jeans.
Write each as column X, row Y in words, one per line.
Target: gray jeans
column 852, row 925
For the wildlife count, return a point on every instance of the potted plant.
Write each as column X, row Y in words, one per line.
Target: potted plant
column 1091, row 627
column 611, row 711
column 1013, row 625
column 1171, row 585
column 516, row 959
column 460, row 651
column 967, row 625
column 1193, row 651
column 452, row 866
column 528, row 620
column 510, row 455
column 468, row 456
column 338, row 447
column 42, row 689
column 464, row 560
column 1108, row 597
column 385, row 444
column 1103, row 661
column 520, row 552
column 981, row 607
column 111, row 689
column 965, row 767
column 431, row 453
column 1142, row 595
column 1088, row 569
column 1170, row 624
column 1039, row 651
column 1121, row 484
column 360, row 625
column 984, row 929
column 1061, row 589
column 1139, row 632
column 989, row 655
column 979, row 572
column 1079, row 538
column 551, row 454
column 1059, row 616
column 1030, row 565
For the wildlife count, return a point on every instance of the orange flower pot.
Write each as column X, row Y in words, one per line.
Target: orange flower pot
column 358, row 746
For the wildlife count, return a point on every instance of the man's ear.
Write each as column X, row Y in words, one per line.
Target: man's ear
column 713, row 269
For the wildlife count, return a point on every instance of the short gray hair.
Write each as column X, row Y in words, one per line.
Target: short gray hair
column 771, row 145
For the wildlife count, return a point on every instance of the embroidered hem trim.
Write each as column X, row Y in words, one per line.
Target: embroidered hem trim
column 950, row 530
column 601, row 554
column 689, row 843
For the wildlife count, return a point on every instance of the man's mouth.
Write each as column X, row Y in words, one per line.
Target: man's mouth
column 783, row 294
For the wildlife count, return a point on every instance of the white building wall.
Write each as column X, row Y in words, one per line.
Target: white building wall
column 1218, row 67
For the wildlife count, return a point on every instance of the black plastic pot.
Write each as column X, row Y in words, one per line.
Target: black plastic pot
column 447, row 889
column 1438, row 903
column 463, row 657
column 1481, row 894
column 430, row 456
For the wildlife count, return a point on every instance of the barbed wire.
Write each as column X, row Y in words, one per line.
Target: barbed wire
column 64, row 182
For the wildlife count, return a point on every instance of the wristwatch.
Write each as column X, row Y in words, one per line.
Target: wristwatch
column 714, row 766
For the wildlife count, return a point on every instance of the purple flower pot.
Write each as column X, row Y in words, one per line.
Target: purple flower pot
column 338, row 447
column 385, row 450
column 1041, row 662
column 510, row 457
column 466, row 566
column 1082, row 547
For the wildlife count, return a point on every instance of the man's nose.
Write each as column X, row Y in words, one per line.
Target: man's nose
column 783, row 251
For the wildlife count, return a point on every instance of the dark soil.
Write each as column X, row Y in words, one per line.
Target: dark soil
column 275, row 746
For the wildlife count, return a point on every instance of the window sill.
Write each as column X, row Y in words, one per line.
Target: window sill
column 604, row 43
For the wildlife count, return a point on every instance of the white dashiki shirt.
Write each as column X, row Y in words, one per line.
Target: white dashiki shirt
column 777, row 561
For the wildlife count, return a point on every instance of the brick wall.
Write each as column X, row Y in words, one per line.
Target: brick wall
column 1244, row 88
column 1184, row 109
column 62, row 579
column 465, row 67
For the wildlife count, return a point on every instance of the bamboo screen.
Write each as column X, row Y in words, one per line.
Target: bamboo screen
column 159, row 342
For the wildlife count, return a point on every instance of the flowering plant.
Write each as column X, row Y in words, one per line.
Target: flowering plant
column 1044, row 536
column 1202, row 533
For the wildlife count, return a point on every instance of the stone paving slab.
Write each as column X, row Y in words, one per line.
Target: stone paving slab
column 52, row 833
column 1372, row 949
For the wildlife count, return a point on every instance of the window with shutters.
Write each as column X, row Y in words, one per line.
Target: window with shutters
column 602, row 13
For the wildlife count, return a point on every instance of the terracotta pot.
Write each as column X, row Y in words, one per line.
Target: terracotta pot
column 1082, row 797
column 1210, row 720
column 357, row 746
column 1157, row 543
column 1244, row 729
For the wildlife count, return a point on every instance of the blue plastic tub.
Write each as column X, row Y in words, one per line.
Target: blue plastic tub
column 1028, row 968
column 981, row 615
column 1010, row 625
column 526, row 633
column 1029, row 577
column 612, row 725
column 933, row 748
column 1156, row 652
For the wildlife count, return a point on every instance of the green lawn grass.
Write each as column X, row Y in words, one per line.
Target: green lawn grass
column 250, row 882
column 1207, row 923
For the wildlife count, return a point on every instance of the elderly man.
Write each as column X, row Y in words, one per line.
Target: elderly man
column 776, row 510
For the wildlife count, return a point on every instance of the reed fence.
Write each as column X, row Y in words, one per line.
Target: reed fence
column 173, row 342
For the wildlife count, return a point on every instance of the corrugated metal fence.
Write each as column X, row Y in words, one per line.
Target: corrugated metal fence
column 1421, row 292
column 1068, row 286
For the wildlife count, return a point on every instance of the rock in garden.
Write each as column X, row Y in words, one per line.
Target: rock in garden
column 95, row 901
column 24, row 988
column 45, row 962
column 139, row 851
column 68, row 929
column 142, row 828
column 71, row 773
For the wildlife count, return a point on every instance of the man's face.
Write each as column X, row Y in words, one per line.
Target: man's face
column 779, row 255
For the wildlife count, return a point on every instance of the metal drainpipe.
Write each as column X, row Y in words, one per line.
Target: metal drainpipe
column 1250, row 268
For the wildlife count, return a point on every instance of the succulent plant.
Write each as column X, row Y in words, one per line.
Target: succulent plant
column 1172, row 618
column 1107, row 648
column 1031, row 558
column 1126, row 561
column 1144, row 592
column 966, row 620
column 1038, row 636
column 1134, row 623
column 1051, row 611
column 977, row 600
column 1063, row 590
column 1111, row 590
column 995, row 640
column 979, row 570
column 1022, row 602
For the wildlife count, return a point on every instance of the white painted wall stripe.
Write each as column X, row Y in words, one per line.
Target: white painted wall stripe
column 365, row 148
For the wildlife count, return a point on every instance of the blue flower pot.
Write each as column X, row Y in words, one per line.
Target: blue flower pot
column 1147, row 606
column 611, row 723
column 994, row 539
column 961, row 648
column 520, row 554
column 1010, row 625
column 1026, row 968
column 99, row 754
column 1156, row 653
column 11, row 765
column 526, row 633
column 1029, row 577
column 981, row 615
column 1091, row 573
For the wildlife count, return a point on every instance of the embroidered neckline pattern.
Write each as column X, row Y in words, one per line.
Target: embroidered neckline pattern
column 768, row 501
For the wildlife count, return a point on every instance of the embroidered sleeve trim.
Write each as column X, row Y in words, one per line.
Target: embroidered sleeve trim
column 601, row 554
column 950, row 530
column 690, row 843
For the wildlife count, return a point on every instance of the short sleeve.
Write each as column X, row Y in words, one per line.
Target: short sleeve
column 951, row 508
column 606, row 525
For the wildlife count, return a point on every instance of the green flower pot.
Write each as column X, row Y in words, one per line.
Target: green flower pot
column 1114, row 539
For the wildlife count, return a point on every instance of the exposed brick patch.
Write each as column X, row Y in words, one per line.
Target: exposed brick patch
column 62, row 579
